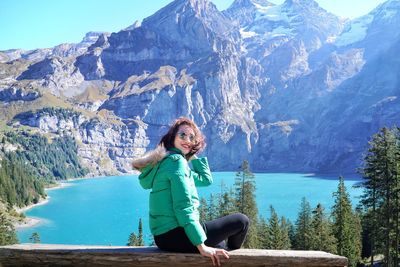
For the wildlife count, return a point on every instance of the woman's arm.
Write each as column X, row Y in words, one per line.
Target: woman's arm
column 186, row 212
column 182, row 202
column 201, row 171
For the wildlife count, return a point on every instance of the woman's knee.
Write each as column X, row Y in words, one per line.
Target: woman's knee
column 243, row 219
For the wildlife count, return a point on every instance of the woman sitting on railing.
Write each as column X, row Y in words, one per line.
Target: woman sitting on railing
column 174, row 202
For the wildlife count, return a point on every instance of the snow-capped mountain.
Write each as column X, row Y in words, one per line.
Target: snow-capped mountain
column 374, row 31
column 289, row 87
column 265, row 21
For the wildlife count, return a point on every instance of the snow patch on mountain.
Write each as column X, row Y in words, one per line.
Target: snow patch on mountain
column 266, row 16
column 247, row 34
column 271, row 13
column 355, row 31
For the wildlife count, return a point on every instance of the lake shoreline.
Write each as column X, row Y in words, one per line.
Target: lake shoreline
column 28, row 222
column 91, row 205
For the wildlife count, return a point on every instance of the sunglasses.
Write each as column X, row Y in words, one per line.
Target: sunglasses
column 183, row 136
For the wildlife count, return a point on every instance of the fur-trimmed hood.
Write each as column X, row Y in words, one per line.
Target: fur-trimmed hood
column 148, row 165
column 152, row 157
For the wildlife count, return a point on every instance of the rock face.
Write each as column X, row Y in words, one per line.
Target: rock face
column 62, row 50
column 57, row 74
column 108, row 148
column 18, row 94
column 105, row 148
column 289, row 87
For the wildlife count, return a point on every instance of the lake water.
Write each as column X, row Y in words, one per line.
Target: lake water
column 104, row 211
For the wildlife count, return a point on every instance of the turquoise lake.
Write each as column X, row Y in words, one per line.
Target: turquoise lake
column 104, row 211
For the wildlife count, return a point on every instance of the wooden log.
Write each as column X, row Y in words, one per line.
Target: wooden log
column 75, row 255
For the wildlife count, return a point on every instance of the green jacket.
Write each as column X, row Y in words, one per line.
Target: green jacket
column 174, row 200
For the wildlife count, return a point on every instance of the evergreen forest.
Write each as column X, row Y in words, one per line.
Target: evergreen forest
column 33, row 163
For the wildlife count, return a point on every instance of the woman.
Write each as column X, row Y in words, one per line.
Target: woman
column 174, row 216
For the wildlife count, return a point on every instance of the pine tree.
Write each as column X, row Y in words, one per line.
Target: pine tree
column 277, row 236
column 218, row 205
column 286, row 226
column 396, row 200
column 203, row 209
column 246, row 202
column 140, row 241
column 274, row 230
column 212, row 211
column 346, row 225
column 369, row 201
column 322, row 237
column 226, row 201
column 132, row 240
column 35, row 238
column 136, row 240
column 381, row 194
column 292, row 233
column 366, row 234
column 263, row 232
column 303, row 227
column 8, row 235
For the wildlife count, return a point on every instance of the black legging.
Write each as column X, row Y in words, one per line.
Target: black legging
column 232, row 228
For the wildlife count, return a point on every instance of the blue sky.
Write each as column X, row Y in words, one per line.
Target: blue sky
column 30, row 24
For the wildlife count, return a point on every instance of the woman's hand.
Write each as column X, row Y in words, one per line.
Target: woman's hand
column 213, row 253
column 193, row 157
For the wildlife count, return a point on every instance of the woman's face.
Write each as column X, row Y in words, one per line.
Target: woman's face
column 184, row 139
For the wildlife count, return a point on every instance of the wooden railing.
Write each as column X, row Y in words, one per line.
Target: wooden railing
column 73, row 255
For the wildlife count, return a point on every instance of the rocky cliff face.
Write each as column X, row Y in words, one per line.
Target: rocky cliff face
column 105, row 148
column 62, row 50
column 289, row 87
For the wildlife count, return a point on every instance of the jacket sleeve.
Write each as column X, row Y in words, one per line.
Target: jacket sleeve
column 201, row 172
column 183, row 205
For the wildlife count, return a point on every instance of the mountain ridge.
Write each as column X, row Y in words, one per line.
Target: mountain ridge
column 283, row 86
